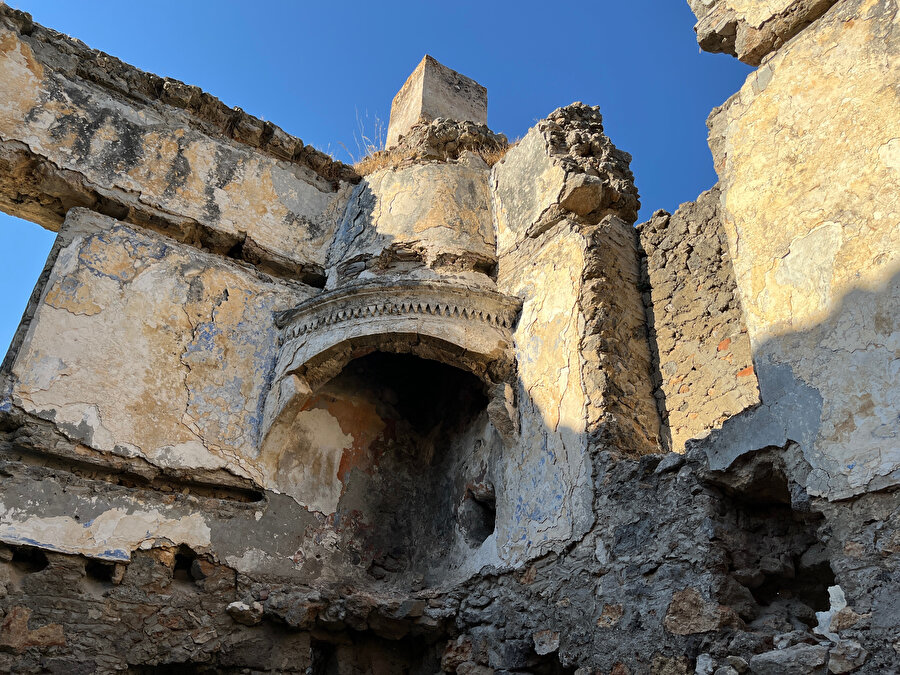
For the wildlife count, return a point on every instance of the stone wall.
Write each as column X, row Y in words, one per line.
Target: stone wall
column 639, row 590
column 701, row 347
column 751, row 30
column 427, row 221
column 807, row 158
column 583, row 361
column 132, row 326
column 79, row 128
column 272, row 421
column 567, row 186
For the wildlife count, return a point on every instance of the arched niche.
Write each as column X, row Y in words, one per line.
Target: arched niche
column 404, row 482
column 467, row 328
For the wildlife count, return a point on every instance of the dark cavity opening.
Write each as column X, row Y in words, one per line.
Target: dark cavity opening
column 419, row 439
column 29, row 560
column 184, row 668
column 357, row 652
column 323, row 659
column 477, row 514
column 779, row 568
column 806, row 585
column 184, row 560
column 97, row 570
column 427, row 394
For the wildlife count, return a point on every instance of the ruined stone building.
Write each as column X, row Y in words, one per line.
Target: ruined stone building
column 450, row 410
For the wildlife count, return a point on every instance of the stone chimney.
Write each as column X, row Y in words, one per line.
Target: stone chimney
column 433, row 91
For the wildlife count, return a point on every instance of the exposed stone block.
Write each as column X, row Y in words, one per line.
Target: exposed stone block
column 16, row 636
column 752, row 30
column 800, row 659
column 432, row 91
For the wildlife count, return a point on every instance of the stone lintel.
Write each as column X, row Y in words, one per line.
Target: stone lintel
column 432, row 91
column 476, row 320
column 468, row 328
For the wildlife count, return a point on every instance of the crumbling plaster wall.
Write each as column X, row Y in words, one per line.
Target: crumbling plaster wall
column 806, row 152
column 79, row 128
column 427, row 221
column 563, row 202
column 127, row 342
column 414, row 452
column 609, row 557
column 809, row 207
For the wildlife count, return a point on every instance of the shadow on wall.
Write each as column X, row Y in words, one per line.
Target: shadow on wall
column 441, row 502
column 832, row 389
column 531, row 497
column 412, row 482
column 634, row 525
column 398, row 454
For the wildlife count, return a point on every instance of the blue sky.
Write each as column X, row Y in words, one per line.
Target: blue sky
column 319, row 69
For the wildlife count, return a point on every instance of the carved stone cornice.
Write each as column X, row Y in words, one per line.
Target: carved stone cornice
column 470, row 328
column 362, row 302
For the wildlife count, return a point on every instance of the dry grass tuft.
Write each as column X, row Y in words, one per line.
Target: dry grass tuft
column 434, row 140
column 492, row 155
column 381, row 159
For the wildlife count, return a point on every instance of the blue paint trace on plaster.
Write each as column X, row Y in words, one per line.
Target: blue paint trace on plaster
column 141, row 251
column 204, row 342
column 255, row 330
column 109, row 554
column 117, row 554
column 28, row 541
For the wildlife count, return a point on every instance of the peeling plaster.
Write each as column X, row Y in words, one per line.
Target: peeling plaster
column 112, row 535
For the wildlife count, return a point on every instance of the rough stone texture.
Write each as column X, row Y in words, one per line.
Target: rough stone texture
column 443, row 138
column 690, row 613
column 78, row 128
column 865, row 563
column 16, row 636
column 752, row 29
column 816, row 255
column 433, row 90
column 132, row 327
column 428, row 221
column 815, row 260
column 153, row 615
column 625, row 574
column 578, row 328
column 805, row 659
column 440, row 139
column 425, row 437
column 701, row 347
column 572, row 168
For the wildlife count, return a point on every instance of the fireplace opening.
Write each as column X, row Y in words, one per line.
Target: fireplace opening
column 397, row 451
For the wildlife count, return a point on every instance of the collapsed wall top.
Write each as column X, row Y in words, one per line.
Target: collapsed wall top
column 432, row 91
